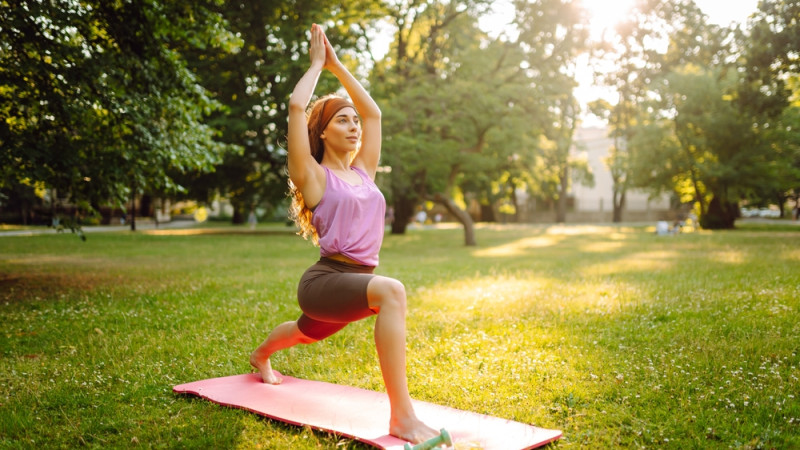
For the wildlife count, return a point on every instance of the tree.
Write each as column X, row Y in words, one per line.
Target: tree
column 97, row 103
column 700, row 117
column 658, row 37
column 719, row 130
column 254, row 85
column 421, row 138
column 553, row 34
column 463, row 107
column 556, row 167
column 771, row 92
column 713, row 154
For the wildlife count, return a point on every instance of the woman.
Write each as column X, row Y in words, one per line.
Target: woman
column 332, row 177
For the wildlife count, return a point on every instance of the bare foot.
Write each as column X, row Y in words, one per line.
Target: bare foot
column 265, row 369
column 411, row 430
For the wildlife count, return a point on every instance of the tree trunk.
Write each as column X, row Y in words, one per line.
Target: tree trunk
column 133, row 207
column 238, row 211
column 53, row 197
column 618, row 200
column 403, row 210
column 698, row 196
column 515, row 202
column 561, row 205
column 145, row 205
column 487, row 213
column 462, row 216
column 720, row 215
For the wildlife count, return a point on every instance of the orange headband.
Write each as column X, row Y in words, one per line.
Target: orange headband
column 330, row 108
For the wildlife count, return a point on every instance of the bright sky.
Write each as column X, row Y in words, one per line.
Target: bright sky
column 605, row 13
column 725, row 12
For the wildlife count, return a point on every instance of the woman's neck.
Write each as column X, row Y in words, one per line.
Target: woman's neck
column 339, row 164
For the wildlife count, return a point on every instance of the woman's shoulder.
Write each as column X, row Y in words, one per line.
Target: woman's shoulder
column 363, row 171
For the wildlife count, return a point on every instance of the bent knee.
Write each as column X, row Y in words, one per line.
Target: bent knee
column 303, row 339
column 383, row 292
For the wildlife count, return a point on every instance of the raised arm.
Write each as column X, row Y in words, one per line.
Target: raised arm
column 370, row 153
column 304, row 171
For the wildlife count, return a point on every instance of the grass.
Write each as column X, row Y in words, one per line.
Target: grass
column 613, row 335
column 9, row 227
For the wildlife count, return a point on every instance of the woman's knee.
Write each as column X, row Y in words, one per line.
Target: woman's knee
column 383, row 292
column 299, row 337
column 303, row 339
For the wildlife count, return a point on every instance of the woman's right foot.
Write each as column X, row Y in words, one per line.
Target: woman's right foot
column 411, row 430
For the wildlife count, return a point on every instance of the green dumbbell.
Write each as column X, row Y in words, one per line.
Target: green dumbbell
column 443, row 438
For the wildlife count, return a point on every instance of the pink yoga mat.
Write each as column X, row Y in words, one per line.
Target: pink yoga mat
column 361, row 414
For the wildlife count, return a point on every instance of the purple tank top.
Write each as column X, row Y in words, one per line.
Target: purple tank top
column 350, row 219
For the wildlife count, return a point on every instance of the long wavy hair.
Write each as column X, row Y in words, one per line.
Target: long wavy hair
column 319, row 114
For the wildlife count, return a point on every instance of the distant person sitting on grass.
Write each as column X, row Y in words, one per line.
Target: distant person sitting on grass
column 337, row 204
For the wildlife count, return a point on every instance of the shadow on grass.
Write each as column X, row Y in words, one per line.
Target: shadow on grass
column 229, row 231
column 616, row 336
column 32, row 286
column 656, row 340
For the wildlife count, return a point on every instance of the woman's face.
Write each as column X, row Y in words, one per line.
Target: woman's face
column 343, row 131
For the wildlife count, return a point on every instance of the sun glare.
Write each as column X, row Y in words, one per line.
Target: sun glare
column 604, row 15
column 498, row 20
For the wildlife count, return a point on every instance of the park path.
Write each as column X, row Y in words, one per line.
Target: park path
column 183, row 224
column 145, row 225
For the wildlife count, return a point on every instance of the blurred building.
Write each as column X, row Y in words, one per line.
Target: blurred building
column 591, row 204
column 595, row 203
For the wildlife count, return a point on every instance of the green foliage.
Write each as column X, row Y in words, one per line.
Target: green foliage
column 770, row 50
column 773, row 41
column 601, row 332
column 657, row 38
column 691, row 121
column 254, row 84
column 99, row 100
column 463, row 110
column 96, row 100
column 429, row 114
column 714, row 154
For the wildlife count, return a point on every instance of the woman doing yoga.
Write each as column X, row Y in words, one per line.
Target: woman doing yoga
column 336, row 203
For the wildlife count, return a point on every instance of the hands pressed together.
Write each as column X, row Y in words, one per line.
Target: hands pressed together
column 322, row 51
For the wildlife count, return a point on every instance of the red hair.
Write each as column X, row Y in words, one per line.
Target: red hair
column 319, row 115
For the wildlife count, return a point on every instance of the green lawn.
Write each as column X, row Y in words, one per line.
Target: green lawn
column 616, row 336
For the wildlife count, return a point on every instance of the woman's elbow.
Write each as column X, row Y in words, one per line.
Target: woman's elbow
column 296, row 106
column 373, row 113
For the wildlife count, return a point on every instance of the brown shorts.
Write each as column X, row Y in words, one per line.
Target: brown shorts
column 332, row 294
